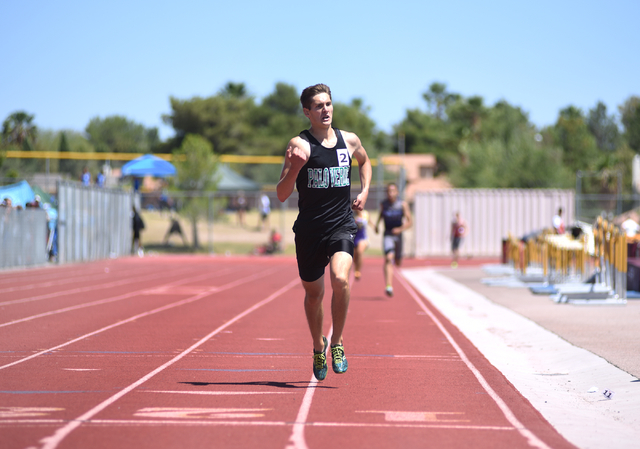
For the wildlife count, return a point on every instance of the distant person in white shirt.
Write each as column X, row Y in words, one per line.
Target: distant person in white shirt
column 265, row 211
column 630, row 227
column 558, row 222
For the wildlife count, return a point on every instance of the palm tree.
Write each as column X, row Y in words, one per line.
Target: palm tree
column 18, row 129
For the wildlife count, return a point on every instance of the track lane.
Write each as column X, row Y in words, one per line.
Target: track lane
column 54, row 440
column 62, row 386
column 140, row 291
column 143, row 314
column 132, row 279
column 36, row 282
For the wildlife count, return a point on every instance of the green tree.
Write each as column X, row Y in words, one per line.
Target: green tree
column 274, row 121
column 117, row 134
column 424, row 133
column 438, row 99
column 195, row 164
column 466, row 117
column 630, row 112
column 519, row 162
column 603, row 127
column 222, row 119
column 19, row 131
column 67, row 141
column 277, row 119
column 503, row 121
column 354, row 117
column 578, row 145
column 234, row 90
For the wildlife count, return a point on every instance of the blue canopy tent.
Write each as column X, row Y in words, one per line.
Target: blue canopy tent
column 148, row 165
column 20, row 193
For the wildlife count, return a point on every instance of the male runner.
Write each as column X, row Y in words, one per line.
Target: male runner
column 397, row 218
column 318, row 163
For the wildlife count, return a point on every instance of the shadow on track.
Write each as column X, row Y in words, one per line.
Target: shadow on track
column 305, row 384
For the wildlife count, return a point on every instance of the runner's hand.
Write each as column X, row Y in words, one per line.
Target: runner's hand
column 296, row 156
column 359, row 202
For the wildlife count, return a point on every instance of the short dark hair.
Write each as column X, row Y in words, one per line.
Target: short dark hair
column 311, row 91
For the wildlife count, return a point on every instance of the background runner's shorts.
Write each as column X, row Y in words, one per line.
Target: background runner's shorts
column 314, row 252
column 393, row 244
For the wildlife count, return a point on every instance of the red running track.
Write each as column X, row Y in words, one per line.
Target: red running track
column 200, row 352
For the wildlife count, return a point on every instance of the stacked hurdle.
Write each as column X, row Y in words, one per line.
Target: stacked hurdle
column 610, row 254
column 567, row 263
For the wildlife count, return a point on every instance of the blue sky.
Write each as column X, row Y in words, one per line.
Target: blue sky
column 69, row 61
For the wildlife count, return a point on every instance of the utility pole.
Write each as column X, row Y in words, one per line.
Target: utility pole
column 402, row 180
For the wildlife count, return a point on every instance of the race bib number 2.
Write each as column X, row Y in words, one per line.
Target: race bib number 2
column 343, row 157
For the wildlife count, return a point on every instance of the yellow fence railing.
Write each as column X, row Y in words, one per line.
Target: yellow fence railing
column 224, row 158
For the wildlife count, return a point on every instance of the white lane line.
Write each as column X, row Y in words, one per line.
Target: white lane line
column 82, row 369
column 132, row 280
column 141, row 315
column 52, row 441
column 296, row 440
column 68, row 280
column 531, row 438
column 109, row 300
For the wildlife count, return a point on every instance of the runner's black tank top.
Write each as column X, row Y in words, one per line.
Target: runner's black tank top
column 392, row 215
column 324, row 188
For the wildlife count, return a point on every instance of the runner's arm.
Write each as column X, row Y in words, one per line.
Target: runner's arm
column 294, row 159
column 364, row 166
column 378, row 221
column 408, row 221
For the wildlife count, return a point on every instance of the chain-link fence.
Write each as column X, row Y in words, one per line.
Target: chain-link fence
column 591, row 206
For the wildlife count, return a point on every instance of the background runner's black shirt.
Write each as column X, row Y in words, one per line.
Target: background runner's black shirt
column 324, row 188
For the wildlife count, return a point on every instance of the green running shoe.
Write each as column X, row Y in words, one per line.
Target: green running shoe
column 338, row 359
column 320, row 361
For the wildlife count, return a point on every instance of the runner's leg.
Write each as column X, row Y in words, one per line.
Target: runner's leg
column 314, row 292
column 340, row 266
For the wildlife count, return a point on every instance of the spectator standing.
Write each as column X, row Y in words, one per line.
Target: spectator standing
column 458, row 231
column 85, row 178
column 138, row 226
column 265, row 211
column 241, row 205
column 558, row 223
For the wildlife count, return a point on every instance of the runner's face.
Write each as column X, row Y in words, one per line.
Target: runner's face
column 392, row 193
column 321, row 111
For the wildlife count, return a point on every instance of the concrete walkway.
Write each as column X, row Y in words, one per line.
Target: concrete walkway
column 554, row 354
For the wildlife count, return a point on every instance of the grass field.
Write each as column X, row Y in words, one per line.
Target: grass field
column 226, row 235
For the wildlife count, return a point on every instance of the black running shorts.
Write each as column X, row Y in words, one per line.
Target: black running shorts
column 314, row 252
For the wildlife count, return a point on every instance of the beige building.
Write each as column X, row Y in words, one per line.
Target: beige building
column 419, row 171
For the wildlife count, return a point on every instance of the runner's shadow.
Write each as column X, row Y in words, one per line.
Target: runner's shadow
column 266, row 383
column 367, row 298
